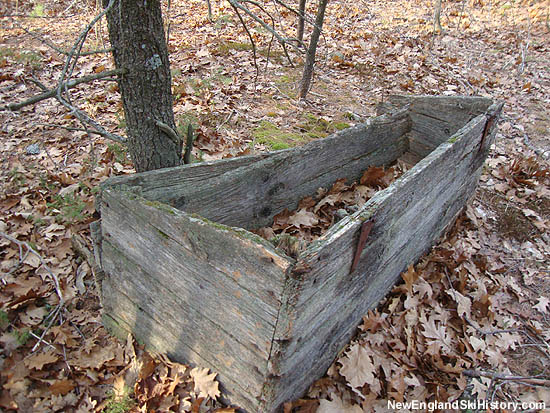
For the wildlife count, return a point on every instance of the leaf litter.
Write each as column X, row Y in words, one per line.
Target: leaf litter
column 477, row 303
column 293, row 230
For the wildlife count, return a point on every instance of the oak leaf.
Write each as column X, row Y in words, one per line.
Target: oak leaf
column 337, row 405
column 205, row 384
column 542, row 305
column 357, row 367
column 62, row 387
column 39, row 360
column 464, row 304
column 303, row 218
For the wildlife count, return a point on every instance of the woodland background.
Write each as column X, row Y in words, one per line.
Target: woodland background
column 470, row 320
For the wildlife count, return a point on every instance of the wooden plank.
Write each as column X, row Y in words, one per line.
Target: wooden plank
column 241, row 260
column 436, row 118
column 164, row 185
column 218, row 287
column 326, row 302
column 158, row 337
column 248, row 196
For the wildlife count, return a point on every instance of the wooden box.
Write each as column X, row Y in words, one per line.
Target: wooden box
column 187, row 278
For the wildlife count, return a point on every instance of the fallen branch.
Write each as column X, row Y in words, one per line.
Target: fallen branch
column 69, row 128
column 534, row 380
column 86, row 120
column 66, row 85
column 54, row 278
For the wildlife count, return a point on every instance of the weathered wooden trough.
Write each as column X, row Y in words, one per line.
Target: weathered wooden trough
column 187, row 278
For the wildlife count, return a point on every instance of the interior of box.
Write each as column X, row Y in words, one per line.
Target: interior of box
column 248, row 192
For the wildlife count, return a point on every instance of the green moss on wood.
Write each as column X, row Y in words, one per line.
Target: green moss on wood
column 160, row 206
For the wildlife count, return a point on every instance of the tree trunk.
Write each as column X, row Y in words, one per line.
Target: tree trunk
column 137, row 36
column 301, row 19
column 312, row 49
column 437, row 17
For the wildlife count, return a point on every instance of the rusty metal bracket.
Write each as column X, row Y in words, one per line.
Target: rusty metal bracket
column 365, row 231
column 486, row 129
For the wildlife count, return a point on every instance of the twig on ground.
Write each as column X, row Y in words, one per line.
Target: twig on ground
column 533, row 380
column 86, row 120
column 70, row 128
column 56, row 313
column 42, row 262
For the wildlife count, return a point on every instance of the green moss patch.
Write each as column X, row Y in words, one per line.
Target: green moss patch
column 269, row 134
column 315, row 127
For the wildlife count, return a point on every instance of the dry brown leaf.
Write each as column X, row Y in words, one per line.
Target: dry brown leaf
column 38, row 360
column 543, row 305
column 62, row 387
column 337, row 405
column 357, row 366
column 205, row 384
column 303, row 218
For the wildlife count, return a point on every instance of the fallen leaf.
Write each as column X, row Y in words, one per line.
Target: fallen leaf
column 542, row 305
column 303, row 218
column 205, row 384
column 38, row 360
column 357, row 366
column 62, row 387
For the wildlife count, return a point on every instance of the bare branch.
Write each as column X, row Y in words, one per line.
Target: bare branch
column 56, row 48
column 251, row 40
column 68, row 128
column 67, row 85
column 75, row 51
column 283, row 42
column 86, row 120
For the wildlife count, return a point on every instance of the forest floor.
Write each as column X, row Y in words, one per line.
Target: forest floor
column 478, row 302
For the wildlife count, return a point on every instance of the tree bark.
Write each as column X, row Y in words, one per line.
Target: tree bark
column 301, row 20
column 137, row 36
column 312, row 49
column 437, row 17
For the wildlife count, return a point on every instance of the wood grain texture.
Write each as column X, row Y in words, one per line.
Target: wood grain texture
column 326, row 303
column 435, row 118
column 248, row 196
column 221, row 297
column 213, row 290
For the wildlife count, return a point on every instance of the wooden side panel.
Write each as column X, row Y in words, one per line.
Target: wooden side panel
column 165, row 185
column 201, row 292
column 435, row 118
column 249, row 191
column 324, row 303
column 250, row 196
